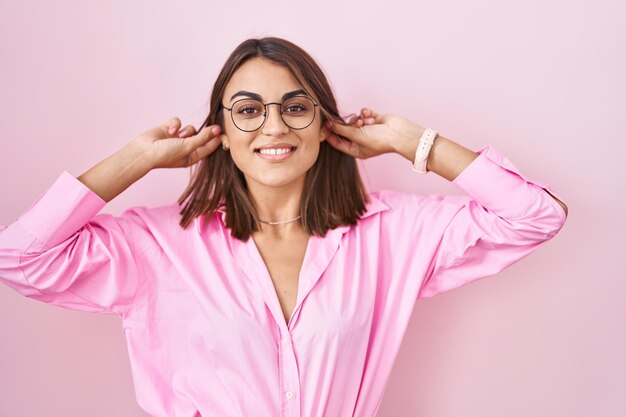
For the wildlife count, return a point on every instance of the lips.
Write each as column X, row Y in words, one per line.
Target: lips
column 275, row 147
column 275, row 152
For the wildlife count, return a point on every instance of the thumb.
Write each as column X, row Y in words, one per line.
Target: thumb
column 350, row 132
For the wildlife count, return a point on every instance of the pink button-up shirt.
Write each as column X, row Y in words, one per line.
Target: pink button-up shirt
column 205, row 331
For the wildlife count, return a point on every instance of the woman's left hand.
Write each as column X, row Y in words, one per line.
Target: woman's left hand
column 371, row 134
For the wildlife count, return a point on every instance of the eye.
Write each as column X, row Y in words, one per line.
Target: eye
column 244, row 110
column 295, row 108
column 298, row 106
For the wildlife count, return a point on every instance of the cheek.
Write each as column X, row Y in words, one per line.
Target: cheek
column 241, row 157
column 237, row 140
column 314, row 142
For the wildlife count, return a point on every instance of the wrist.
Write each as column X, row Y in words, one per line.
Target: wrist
column 111, row 176
column 408, row 147
column 135, row 158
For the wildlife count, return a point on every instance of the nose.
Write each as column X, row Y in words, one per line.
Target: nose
column 274, row 124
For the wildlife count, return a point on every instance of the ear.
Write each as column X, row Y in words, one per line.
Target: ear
column 224, row 140
column 324, row 133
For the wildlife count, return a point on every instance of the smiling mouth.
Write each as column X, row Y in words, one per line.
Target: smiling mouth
column 275, row 151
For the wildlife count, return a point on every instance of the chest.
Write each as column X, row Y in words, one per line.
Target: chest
column 283, row 259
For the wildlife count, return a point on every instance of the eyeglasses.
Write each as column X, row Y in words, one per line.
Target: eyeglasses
column 249, row 114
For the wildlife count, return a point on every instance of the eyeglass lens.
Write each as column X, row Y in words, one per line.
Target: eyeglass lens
column 297, row 113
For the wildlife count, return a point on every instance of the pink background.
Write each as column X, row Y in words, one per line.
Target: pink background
column 542, row 81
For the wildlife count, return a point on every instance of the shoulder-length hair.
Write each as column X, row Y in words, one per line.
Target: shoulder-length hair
column 333, row 193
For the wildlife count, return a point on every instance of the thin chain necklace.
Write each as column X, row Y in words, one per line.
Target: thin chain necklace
column 283, row 222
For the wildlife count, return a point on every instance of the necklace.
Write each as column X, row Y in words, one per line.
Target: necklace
column 283, row 222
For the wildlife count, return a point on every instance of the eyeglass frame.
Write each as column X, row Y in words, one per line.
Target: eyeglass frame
column 265, row 112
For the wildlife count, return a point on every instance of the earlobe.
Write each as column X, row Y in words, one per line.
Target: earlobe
column 324, row 133
column 224, row 140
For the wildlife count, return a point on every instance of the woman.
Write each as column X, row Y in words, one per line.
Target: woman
column 290, row 293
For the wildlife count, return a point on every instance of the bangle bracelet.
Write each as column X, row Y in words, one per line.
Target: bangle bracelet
column 423, row 150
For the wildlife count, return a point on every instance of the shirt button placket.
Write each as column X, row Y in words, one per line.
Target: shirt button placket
column 291, row 380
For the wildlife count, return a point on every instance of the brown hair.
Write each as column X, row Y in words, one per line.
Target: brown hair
column 333, row 192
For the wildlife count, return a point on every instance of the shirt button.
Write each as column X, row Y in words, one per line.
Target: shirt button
column 289, row 395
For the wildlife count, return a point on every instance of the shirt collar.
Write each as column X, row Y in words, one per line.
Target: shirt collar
column 375, row 206
column 199, row 221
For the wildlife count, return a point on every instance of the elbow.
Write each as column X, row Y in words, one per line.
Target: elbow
column 550, row 220
column 562, row 204
column 561, row 217
column 546, row 217
column 542, row 222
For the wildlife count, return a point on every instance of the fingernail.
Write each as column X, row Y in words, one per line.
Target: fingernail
column 216, row 130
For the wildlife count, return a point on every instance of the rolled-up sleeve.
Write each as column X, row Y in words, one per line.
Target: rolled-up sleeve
column 503, row 218
column 61, row 252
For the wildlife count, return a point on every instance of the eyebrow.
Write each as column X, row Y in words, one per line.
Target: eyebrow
column 258, row 97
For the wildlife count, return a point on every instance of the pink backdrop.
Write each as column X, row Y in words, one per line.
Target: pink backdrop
column 542, row 81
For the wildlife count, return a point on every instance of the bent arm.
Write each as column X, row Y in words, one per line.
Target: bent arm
column 448, row 159
column 504, row 217
column 61, row 252
column 116, row 173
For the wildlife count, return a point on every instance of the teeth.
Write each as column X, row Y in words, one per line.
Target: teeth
column 274, row 151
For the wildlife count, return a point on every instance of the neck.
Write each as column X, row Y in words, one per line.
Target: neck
column 277, row 204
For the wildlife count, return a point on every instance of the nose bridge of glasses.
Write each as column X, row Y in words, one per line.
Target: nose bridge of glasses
column 280, row 111
column 280, row 107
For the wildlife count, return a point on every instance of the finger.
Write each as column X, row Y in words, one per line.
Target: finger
column 341, row 144
column 350, row 118
column 349, row 131
column 182, row 132
column 353, row 120
column 188, row 130
column 368, row 113
column 173, row 125
column 205, row 150
column 201, row 138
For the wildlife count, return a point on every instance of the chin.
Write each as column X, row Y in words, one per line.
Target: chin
column 276, row 181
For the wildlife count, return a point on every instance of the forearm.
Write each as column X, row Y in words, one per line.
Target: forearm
column 447, row 158
column 116, row 173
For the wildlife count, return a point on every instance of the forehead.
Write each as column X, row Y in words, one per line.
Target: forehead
column 261, row 76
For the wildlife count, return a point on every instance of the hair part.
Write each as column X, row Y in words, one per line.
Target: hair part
column 333, row 193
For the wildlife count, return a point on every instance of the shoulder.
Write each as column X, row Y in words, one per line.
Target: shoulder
column 391, row 200
column 162, row 212
column 158, row 217
column 398, row 205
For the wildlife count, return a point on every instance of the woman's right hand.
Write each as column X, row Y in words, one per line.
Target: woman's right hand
column 169, row 146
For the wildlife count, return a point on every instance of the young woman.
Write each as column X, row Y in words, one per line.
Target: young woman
column 276, row 285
